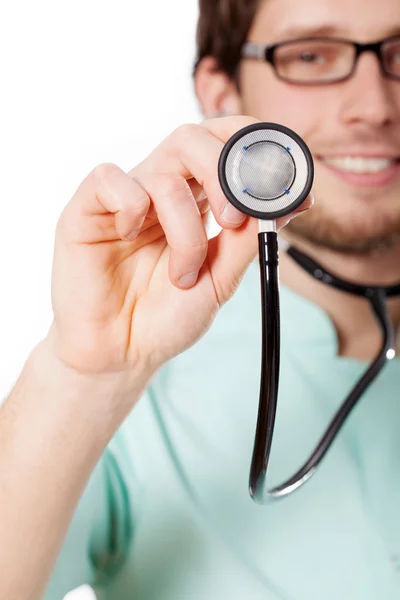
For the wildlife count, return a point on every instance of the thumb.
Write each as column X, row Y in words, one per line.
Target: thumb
column 229, row 255
column 231, row 252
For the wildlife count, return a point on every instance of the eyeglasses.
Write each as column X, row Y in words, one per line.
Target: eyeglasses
column 322, row 60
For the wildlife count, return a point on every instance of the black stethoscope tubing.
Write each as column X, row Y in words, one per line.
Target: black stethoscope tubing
column 238, row 193
column 376, row 295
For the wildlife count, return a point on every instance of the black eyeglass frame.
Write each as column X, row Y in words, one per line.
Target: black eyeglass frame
column 266, row 52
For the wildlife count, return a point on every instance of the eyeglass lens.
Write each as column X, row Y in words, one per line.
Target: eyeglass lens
column 323, row 60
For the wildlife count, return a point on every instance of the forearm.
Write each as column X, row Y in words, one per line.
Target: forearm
column 54, row 427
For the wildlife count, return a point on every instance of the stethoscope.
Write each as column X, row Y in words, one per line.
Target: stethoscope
column 266, row 171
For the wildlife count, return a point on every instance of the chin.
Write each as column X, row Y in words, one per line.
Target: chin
column 352, row 230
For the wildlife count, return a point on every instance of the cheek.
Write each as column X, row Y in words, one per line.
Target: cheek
column 299, row 111
column 268, row 99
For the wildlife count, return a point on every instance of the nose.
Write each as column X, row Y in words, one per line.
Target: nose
column 370, row 97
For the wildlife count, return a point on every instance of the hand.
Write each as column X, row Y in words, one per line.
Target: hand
column 135, row 280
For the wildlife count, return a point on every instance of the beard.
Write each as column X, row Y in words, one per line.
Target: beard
column 362, row 232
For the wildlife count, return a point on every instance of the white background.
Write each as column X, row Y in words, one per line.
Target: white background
column 82, row 82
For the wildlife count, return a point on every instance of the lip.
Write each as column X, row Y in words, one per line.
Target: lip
column 380, row 179
column 362, row 152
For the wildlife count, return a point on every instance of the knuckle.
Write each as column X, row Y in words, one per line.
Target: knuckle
column 141, row 204
column 103, row 172
column 185, row 132
column 141, row 197
column 194, row 247
column 173, row 184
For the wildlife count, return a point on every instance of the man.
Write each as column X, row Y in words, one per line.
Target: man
column 161, row 509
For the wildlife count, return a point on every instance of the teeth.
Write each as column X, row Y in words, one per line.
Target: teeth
column 360, row 164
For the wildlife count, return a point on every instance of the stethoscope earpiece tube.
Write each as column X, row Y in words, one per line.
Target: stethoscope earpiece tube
column 377, row 299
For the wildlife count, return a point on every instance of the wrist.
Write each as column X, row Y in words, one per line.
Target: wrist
column 111, row 395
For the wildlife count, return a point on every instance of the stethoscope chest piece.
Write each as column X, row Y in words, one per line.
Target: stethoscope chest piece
column 266, row 170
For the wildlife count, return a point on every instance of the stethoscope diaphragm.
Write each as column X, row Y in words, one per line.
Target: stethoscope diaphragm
column 266, row 170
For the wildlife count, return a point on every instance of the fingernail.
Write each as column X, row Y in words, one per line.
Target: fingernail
column 230, row 214
column 188, row 280
column 201, row 196
column 135, row 232
column 298, row 212
column 292, row 216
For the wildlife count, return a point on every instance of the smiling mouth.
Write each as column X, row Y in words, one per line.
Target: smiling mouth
column 360, row 164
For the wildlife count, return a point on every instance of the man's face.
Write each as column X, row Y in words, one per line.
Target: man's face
column 359, row 117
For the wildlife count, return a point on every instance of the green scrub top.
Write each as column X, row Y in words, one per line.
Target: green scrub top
column 167, row 515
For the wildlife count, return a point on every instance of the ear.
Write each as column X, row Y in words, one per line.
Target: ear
column 216, row 93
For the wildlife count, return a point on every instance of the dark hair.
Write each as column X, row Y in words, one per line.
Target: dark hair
column 222, row 28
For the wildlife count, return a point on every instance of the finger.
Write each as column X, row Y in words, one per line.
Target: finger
column 198, row 192
column 108, row 205
column 224, row 127
column 229, row 255
column 304, row 207
column 231, row 252
column 180, row 218
column 193, row 151
column 199, row 152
